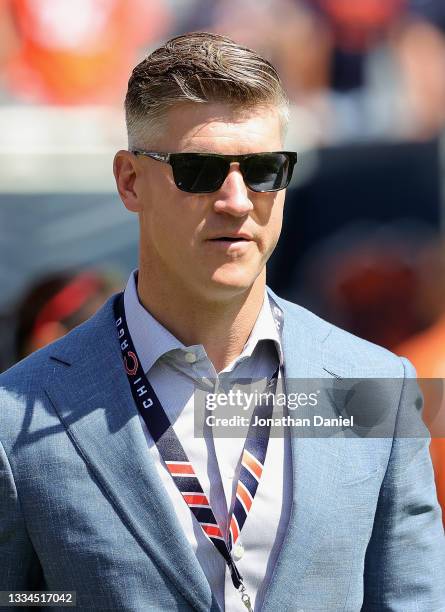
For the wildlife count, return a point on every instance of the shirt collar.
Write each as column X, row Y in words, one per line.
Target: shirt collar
column 264, row 329
column 152, row 340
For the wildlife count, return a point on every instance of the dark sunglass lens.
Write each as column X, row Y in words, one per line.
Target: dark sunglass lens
column 267, row 172
column 198, row 173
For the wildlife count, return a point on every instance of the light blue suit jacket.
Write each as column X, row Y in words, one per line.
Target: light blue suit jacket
column 82, row 508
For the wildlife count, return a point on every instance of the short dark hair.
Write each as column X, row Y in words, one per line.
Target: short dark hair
column 200, row 67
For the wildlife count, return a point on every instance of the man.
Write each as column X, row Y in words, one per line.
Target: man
column 106, row 490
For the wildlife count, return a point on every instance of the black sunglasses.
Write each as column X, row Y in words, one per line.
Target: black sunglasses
column 206, row 172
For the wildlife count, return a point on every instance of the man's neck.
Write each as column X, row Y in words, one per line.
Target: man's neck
column 221, row 326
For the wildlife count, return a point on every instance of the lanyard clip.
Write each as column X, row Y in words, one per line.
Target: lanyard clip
column 238, row 583
column 245, row 597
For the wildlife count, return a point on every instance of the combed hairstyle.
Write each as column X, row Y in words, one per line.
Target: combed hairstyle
column 199, row 67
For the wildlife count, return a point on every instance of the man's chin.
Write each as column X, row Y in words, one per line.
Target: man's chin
column 225, row 285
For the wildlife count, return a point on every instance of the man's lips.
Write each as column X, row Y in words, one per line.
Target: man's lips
column 231, row 238
column 228, row 243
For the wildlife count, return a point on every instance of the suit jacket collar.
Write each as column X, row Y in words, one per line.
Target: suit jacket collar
column 89, row 390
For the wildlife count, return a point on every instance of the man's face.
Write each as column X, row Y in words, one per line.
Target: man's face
column 177, row 229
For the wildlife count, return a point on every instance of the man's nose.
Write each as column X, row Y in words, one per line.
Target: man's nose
column 233, row 195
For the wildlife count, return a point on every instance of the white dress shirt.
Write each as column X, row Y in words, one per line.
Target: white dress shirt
column 174, row 370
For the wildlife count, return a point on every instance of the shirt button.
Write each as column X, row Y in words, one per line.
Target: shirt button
column 190, row 357
column 238, row 552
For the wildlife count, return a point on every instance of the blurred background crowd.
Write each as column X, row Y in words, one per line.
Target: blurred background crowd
column 362, row 243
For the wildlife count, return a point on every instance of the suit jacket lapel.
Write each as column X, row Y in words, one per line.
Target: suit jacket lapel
column 91, row 395
column 313, row 464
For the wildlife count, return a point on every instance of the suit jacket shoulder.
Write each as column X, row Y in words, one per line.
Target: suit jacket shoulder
column 23, row 385
column 343, row 353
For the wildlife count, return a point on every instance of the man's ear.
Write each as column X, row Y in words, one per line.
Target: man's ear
column 124, row 169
